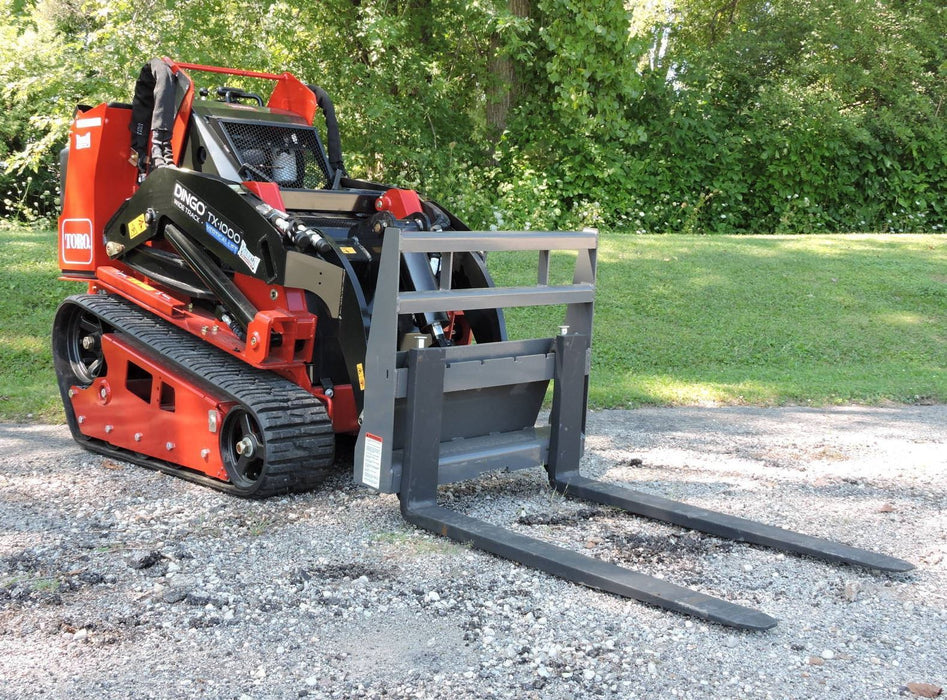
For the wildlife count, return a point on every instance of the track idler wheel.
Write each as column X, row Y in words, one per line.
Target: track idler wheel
column 243, row 447
column 81, row 339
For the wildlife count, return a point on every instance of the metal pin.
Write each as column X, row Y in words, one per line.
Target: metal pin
column 113, row 249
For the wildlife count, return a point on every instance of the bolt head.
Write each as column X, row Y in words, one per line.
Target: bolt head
column 138, row 437
column 244, row 447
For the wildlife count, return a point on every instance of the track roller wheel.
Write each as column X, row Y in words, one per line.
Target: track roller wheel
column 243, row 447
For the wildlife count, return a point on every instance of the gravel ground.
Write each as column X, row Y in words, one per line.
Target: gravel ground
column 116, row 581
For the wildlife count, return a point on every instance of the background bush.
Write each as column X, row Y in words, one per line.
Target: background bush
column 695, row 116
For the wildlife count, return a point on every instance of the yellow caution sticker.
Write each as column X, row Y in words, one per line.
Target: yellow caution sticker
column 348, row 250
column 361, row 376
column 137, row 226
column 142, row 285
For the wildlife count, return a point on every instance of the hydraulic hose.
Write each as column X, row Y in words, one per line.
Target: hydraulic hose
column 334, row 143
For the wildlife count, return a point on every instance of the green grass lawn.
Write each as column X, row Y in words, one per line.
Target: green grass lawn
column 760, row 319
column 679, row 319
column 29, row 295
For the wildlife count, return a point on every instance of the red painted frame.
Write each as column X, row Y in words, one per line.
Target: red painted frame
column 144, row 407
column 289, row 94
column 101, row 174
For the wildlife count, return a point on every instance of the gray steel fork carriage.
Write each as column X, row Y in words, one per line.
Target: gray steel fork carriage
column 436, row 415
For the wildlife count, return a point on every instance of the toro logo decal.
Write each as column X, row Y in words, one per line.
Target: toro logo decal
column 75, row 241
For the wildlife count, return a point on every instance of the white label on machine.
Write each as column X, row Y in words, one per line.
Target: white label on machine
column 88, row 122
column 75, row 241
column 252, row 261
column 371, row 463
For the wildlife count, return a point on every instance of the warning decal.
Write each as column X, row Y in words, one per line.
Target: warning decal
column 137, row 226
column 371, row 464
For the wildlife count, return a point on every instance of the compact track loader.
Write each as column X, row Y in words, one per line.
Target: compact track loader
column 247, row 301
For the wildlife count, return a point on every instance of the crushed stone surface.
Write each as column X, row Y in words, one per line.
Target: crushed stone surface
column 117, row 581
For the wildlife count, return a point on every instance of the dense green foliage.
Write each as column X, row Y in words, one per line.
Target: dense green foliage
column 686, row 115
column 679, row 319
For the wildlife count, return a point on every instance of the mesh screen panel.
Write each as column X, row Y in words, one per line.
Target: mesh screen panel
column 290, row 156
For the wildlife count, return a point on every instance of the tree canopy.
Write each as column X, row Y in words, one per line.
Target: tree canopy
column 645, row 115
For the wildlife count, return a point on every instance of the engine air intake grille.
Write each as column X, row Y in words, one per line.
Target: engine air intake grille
column 291, row 156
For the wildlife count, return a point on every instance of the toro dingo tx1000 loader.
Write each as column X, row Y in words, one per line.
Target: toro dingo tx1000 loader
column 247, row 300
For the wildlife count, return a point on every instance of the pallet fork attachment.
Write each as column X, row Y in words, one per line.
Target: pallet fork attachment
column 239, row 301
column 414, row 435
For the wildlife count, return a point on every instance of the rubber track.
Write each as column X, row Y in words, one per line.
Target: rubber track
column 297, row 432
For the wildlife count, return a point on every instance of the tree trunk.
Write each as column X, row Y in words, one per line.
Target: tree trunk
column 501, row 93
